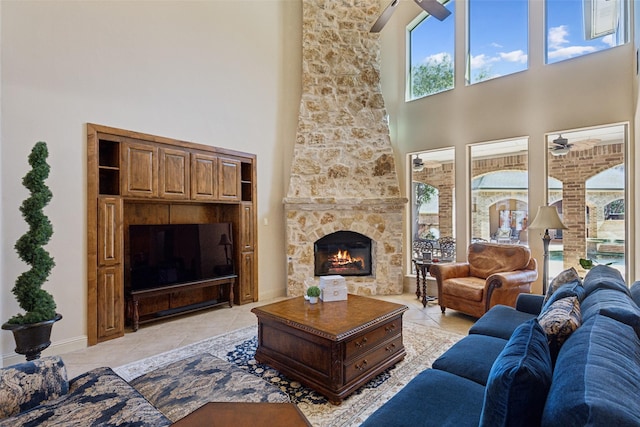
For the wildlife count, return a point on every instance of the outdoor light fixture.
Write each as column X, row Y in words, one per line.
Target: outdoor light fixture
column 546, row 218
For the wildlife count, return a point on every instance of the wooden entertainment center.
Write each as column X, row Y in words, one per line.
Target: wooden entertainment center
column 135, row 178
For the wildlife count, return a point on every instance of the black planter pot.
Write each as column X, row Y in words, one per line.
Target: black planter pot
column 31, row 339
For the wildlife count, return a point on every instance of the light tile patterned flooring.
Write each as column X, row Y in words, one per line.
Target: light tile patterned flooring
column 170, row 334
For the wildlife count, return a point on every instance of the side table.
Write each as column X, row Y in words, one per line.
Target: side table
column 422, row 268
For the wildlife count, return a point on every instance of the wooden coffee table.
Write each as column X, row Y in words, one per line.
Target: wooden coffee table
column 245, row 414
column 332, row 347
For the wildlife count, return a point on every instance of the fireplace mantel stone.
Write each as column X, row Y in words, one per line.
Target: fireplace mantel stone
column 343, row 173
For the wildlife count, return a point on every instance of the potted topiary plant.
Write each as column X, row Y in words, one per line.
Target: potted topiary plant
column 32, row 330
column 313, row 292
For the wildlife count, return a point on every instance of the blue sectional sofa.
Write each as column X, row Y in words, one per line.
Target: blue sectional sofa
column 570, row 359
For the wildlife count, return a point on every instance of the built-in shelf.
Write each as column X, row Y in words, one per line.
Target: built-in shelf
column 109, row 167
column 246, row 181
column 135, row 178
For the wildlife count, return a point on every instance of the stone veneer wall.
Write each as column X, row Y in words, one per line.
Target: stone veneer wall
column 343, row 172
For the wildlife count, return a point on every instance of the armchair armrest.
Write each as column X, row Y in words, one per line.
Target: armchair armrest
column 504, row 288
column 513, row 278
column 446, row 271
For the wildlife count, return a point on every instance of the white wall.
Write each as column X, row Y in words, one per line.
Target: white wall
column 223, row 73
column 590, row 90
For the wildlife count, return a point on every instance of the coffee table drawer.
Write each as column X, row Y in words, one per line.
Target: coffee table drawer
column 371, row 339
column 367, row 361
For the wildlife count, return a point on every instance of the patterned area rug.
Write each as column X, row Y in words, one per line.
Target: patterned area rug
column 423, row 345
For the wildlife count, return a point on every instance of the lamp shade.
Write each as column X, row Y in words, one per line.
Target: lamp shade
column 546, row 218
column 224, row 240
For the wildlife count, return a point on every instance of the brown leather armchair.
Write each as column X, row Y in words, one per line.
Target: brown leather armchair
column 494, row 274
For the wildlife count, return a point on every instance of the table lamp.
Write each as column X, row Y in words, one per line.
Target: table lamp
column 546, row 218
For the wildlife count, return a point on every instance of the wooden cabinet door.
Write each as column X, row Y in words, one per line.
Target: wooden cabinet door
column 204, row 175
column 246, row 283
column 174, row 174
column 140, row 165
column 110, row 302
column 109, row 230
column 229, row 179
column 247, row 236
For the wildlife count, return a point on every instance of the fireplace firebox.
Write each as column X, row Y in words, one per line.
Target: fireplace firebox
column 346, row 253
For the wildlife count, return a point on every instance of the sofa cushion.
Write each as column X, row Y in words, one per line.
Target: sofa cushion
column 500, row 321
column 434, row 397
column 614, row 304
column 471, row 357
column 567, row 276
column 183, row 386
column 603, row 276
column 635, row 292
column 559, row 321
column 519, row 380
column 486, row 259
column 96, row 398
column 596, row 380
column 29, row 384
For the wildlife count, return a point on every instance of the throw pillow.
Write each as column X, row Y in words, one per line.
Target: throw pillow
column 26, row 385
column 559, row 321
column 519, row 380
column 567, row 276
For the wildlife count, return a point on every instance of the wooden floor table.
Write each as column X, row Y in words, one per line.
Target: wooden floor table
column 332, row 347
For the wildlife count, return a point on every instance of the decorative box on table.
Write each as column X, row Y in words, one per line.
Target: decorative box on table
column 333, row 288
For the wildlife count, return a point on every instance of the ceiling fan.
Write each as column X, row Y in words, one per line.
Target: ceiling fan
column 418, row 164
column 432, row 7
column 561, row 146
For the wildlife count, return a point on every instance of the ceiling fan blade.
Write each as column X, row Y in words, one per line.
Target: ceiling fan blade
column 434, row 8
column 384, row 17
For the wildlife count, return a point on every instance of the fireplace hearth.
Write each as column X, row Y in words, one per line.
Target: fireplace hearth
column 346, row 253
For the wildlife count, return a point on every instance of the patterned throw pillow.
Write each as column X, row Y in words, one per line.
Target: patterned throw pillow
column 567, row 276
column 559, row 321
column 26, row 385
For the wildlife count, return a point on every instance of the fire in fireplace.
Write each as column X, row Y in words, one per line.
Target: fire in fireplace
column 346, row 253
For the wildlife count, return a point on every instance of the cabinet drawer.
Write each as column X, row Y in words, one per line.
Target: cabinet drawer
column 371, row 360
column 373, row 338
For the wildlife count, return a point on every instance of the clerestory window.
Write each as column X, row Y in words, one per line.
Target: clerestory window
column 431, row 57
column 497, row 38
column 579, row 27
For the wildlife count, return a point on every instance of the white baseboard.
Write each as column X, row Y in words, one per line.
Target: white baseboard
column 58, row 347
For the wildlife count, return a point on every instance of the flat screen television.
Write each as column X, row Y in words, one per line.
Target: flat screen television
column 169, row 254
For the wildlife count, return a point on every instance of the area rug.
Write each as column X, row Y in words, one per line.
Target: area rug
column 423, row 345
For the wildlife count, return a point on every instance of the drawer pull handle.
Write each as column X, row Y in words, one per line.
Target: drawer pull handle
column 390, row 328
column 391, row 348
column 362, row 343
column 362, row 366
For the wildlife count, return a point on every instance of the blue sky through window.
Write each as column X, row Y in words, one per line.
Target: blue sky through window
column 498, row 43
column 498, row 35
column 566, row 31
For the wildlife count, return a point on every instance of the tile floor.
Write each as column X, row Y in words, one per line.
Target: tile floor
column 167, row 335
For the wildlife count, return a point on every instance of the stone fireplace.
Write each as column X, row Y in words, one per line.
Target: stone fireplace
column 343, row 174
